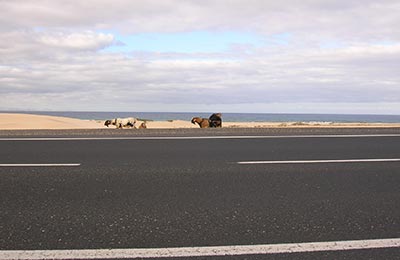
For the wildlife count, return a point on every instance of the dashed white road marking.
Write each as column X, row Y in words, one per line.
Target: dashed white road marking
column 192, row 137
column 200, row 251
column 321, row 161
column 40, row 164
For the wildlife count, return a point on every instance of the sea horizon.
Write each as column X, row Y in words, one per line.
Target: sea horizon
column 229, row 117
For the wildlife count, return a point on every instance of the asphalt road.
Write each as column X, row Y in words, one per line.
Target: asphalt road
column 144, row 193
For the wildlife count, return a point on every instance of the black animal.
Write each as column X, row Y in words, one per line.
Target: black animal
column 215, row 120
column 107, row 123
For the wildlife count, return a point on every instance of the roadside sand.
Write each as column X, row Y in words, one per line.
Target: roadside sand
column 29, row 121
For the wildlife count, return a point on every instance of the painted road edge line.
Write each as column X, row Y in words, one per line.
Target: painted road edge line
column 191, row 137
column 200, row 251
column 40, row 165
column 320, row 161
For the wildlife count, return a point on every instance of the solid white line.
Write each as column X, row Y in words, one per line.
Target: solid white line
column 40, row 164
column 200, row 251
column 320, row 161
column 192, row 137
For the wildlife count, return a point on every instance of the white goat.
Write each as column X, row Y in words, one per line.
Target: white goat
column 124, row 122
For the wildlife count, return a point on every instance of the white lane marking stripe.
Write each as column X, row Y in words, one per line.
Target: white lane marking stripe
column 40, row 164
column 200, row 251
column 192, row 137
column 320, row 161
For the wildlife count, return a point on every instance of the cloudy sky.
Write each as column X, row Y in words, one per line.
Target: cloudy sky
column 265, row 56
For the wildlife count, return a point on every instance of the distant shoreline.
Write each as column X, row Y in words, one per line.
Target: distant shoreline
column 15, row 121
column 227, row 117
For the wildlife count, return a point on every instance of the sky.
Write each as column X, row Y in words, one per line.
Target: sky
column 245, row 56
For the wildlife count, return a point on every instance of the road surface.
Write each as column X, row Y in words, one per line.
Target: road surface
column 188, row 189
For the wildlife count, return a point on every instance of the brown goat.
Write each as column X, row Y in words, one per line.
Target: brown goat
column 202, row 122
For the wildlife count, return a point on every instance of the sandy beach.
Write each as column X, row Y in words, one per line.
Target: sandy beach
column 13, row 121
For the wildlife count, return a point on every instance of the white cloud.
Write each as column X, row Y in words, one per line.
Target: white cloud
column 30, row 46
column 78, row 41
column 344, row 19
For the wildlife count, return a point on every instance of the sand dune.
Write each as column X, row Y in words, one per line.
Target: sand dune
column 11, row 121
column 28, row 121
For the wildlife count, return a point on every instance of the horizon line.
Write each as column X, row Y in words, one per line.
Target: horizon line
column 165, row 112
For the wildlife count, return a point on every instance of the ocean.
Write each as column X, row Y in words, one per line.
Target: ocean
column 229, row 117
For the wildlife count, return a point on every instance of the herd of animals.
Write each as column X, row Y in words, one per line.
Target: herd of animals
column 124, row 122
column 214, row 121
